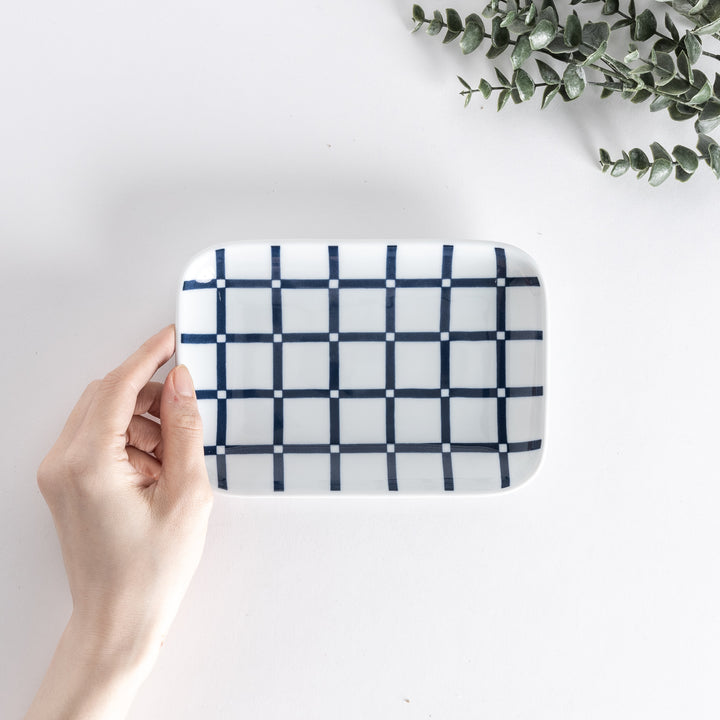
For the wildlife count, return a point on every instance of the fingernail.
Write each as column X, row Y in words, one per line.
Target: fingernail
column 183, row 382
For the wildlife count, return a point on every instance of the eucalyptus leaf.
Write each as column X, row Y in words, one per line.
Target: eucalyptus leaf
column 606, row 93
column 499, row 35
column 572, row 34
column 693, row 47
column 665, row 45
column 709, row 118
column 485, row 88
column 494, row 52
column 503, row 97
column 716, row 85
column 548, row 94
column 703, row 143
column 515, row 95
column 473, row 35
column 631, row 8
column 676, row 113
column 671, row 27
column 454, row 21
column 605, row 157
column 418, row 14
column 641, row 96
column 684, row 66
column 639, row 160
column 645, row 26
column 574, row 81
column 660, row 171
column 702, row 95
column 682, row 175
column 521, row 52
column 610, row 7
column 502, row 79
column 464, row 83
column 524, row 85
column 548, row 74
column 677, row 86
column 542, row 34
column 686, row 158
column 468, row 98
column 708, row 29
column 664, row 69
column 436, row 24
column 714, row 153
column 633, row 55
column 508, row 19
column 595, row 36
column 698, row 7
column 659, row 152
column 621, row 24
column 531, row 13
column 660, row 103
column 620, row 167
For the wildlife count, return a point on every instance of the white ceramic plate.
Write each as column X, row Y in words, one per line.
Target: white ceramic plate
column 361, row 367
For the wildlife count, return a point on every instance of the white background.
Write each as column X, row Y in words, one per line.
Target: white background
column 135, row 135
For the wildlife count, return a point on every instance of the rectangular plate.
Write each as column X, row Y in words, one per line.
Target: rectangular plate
column 366, row 368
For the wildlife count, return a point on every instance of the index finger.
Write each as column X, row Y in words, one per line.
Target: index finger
column 114, row 403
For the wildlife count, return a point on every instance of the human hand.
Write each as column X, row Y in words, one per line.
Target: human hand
column 130, row 499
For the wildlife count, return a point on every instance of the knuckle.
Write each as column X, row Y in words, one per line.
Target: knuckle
column 188, row 421
column 115, row 381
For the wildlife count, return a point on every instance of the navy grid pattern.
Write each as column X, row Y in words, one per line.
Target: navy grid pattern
column 444, row 337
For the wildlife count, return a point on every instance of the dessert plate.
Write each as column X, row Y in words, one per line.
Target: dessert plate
column 366, row 367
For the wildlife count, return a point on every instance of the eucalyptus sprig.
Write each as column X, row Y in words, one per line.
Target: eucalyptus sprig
column 658, row 66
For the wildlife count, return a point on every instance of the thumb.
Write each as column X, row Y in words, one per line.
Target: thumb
column 182, row 433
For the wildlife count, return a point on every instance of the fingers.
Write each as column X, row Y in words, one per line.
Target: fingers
column 182, row 435
column 113, row 406
column 144, row 434
column 148, row 399
column 143, row 463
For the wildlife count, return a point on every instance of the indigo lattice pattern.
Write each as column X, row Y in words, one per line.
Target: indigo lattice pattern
column 293, row 357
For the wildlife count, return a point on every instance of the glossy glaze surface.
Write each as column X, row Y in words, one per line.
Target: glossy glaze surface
column 361, row 367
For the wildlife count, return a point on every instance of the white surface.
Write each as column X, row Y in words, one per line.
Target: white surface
column 135, row 136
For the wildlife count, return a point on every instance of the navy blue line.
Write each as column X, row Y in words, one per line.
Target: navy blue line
column 360, row 283
column 445, row 295
column 390, row 272
column 304, row 393
column 501, row 270
column 221, row 432
column 334, row 369
column 320, row 448
column 210, row 338
column 278, row 463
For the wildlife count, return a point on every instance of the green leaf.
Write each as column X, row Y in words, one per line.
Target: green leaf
column 698, row 7
column 454, row 22
column 531, row 14
column 641, row 96
column 682, row 175
column 547, row 73
column 660, row 171
column 605, row 158
column 468, row 98
column 702, row 95
column 572, row 34
column 473, row 36
column 500, row 35
column 660, row 103
column 620, row 167
column 639, row 160
column 703, row 143
column 485, row 88
column 621, row 24
column 709, row 118
column 508, row 19
column 436, row 24
column 716, row 85
column 633, row 55
column 521, row 52
column 595, row 37
column 606, row 93
column 708, row 29
column 677, row 86
column 693, row 47
column 664, row 69
column 524, row 85
column 494, row 52
column 418, row 14
column 610, row 7
column 645, row 26
column 714, row 152
column 671, row 27
column 684, row 66
column 502, row 79
column 676, row 113
column 503, row 97
column 631, row 8
column 542, row 34
column 549, row 93
column 464, row 83
column 687, row 159
column 574, row 81
column 659, row 152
